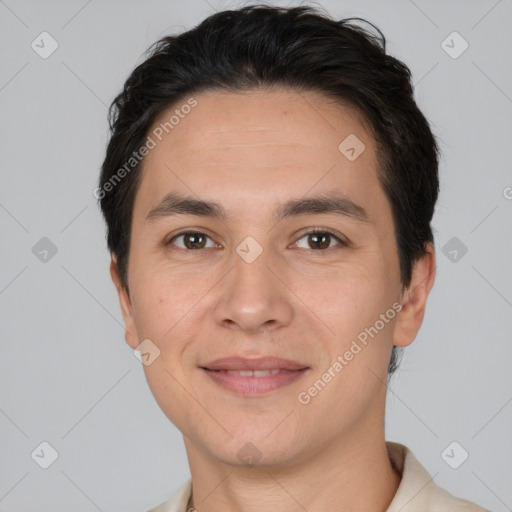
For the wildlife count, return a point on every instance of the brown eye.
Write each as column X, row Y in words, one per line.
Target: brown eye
column 191, row 240
column 320, row 240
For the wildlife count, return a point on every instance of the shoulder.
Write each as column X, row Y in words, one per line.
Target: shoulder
column 178, row 501
column 418, row 491
column 443, row 501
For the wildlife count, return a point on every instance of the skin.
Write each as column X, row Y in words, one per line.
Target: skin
column 252, row 151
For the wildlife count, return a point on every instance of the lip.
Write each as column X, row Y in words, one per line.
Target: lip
column 221, row 371
column 261, row 363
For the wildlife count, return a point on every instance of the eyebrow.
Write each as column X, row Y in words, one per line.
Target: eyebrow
column 175, row 204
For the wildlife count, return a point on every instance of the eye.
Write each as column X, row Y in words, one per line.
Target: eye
column 320, row 239
column 191, row 240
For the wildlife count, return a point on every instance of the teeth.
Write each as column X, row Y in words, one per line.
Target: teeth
column 253, row 373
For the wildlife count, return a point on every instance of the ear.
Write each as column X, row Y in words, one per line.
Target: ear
column 414, row 299
column 126, row 305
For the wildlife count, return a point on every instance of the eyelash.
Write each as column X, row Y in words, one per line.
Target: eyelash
column 341, row 243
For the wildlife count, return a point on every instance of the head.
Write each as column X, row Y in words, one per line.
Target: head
column 243, row 118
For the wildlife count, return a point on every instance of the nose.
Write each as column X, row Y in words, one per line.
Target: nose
column 253, row 297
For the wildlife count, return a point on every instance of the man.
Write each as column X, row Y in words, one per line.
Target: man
column 268, row 190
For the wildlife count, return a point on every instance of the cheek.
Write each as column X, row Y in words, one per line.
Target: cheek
column 158, row 307
column 160, row 311
column 165, row 382
column 350, row 300
column 169, row 309
column 348, row 293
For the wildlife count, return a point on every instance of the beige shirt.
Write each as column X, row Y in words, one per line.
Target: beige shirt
column 417, row 491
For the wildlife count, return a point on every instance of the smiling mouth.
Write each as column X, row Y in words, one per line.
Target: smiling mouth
column 238, row 364
column 251, row 373
column 253, row 382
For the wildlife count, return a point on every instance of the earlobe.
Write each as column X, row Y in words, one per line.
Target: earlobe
column 414, row 300
column 126, row 305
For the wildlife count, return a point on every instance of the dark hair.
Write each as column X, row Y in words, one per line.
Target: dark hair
column 299, row 48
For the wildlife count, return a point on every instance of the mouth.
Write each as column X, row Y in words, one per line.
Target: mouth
column 251, row 373
column 248, row 377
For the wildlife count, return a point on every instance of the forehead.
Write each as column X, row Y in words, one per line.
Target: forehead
column 258, row 146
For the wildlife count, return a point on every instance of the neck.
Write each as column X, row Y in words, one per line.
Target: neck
column 351, row 474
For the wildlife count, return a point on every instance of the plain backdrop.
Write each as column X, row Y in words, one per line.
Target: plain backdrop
column 67, row 376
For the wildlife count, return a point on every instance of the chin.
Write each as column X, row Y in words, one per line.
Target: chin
column 256, row 451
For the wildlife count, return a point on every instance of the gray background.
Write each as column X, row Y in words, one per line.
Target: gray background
column 68, row 377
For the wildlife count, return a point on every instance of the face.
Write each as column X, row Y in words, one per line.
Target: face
column 267, row 269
